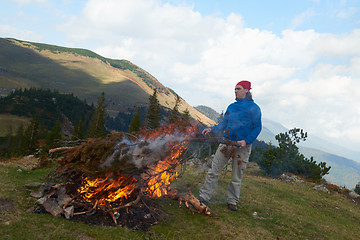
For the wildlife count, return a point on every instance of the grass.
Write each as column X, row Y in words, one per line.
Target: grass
column 11, row 122
column 269, row 209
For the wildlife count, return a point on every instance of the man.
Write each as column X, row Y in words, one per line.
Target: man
column 241, row 125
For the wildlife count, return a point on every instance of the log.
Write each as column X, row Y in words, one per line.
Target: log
column 192, row 203
column 59, row 149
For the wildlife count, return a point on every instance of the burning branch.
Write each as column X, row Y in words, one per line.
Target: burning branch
column 126, row 205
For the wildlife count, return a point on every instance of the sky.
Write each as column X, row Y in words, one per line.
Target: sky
column 302, row 56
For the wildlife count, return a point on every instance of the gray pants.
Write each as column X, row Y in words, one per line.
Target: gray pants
column 240, row 157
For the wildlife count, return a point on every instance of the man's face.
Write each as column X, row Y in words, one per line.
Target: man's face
column 240, row 92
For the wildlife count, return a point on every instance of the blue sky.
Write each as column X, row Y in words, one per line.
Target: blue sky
column 302, row 56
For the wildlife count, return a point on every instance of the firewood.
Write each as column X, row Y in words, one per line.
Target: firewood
column 59, row 149
column 90, row 211
column 126, row 205
column 191, row 202
column 128, row 161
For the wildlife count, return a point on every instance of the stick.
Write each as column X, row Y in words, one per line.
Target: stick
column 126, row 205
column 88, row 211
column 213, row 140
column 113, row 217
column 59, row 149
column 72, row 199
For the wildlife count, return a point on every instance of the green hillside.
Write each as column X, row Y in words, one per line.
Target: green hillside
column 120, row 64
column 47, row 105
column 24, row 68
column 84, row 74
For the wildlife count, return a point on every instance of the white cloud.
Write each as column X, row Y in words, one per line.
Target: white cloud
column 27, row 2
column 347, row 13
column 302, row 17
column 12, row 32
column 343, row 45
column 300, row 78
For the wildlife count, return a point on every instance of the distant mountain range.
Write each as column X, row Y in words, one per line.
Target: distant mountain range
column 312, row 142
column 345, row 163
column 209, row 112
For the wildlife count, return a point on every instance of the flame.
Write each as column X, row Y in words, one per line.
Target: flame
column 155, row 182
column 107, row 190
column 165, row 172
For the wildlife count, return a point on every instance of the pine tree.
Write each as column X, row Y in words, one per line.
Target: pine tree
column 153, row 116
column 53, row 136
column 19, row 139
column 357, row 188
column 97, row 123
column 9, row 137
column 287, row 158
column 135, row 123
column 9, row 143
column 186, row 115
column 174, row 116
column 78, row 130
column 221, row 117
column 31, row 136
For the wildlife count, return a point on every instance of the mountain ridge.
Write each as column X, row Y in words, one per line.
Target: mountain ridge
column 25, row 64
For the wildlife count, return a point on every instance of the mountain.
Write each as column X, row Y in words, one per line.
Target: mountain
column 344, row 171
column 209, row 112
column 312, row 142
column 83, row 73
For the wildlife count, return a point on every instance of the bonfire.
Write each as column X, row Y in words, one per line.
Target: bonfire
column 114, row 179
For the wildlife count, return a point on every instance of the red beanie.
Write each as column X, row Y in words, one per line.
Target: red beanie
column 245, row 84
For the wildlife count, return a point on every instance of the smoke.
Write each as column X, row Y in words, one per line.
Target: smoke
column 144, row 152
column 119, row 152
column 149, row 152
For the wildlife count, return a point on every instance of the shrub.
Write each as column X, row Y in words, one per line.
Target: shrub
column 357, row 188
column 287, row 158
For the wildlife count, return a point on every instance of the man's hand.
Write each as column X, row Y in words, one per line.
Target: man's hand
column 206, row 131
column 242, row 143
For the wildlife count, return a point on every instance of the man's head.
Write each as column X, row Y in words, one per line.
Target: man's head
column 242, row 88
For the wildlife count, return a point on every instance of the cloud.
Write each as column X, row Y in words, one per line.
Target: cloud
column 342, row 45
column 344, row 14
column 28, row 2
column 302, row 17
column 301, row 78
column 12, row 32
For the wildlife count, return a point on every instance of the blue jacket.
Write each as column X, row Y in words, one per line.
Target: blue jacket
column 242, row 121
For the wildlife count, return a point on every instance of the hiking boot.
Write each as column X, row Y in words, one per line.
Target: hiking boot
column 232, row 207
